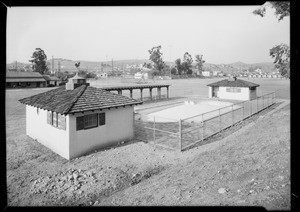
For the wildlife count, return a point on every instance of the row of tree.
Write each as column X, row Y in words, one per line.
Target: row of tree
column 183, row 66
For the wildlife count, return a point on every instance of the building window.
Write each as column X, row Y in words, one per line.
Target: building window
column 56, row 120
column 101, row 119
column 28, row 83
column 233, row 90
column 90, row 121
column 87, row 121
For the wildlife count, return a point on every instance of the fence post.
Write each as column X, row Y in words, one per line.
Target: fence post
column 220, row 120
column 257, row 105
column 154, row 132
column 202, row 127
column 232, row 115
column 180, row 135
column 243, row 111
column 250, row 107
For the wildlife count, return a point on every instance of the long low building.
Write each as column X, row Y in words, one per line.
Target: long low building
column 25, row 79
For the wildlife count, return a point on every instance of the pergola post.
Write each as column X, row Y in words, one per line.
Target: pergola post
column 167, row 92
column 130, row 93
column 141, row 94
column 159, row 92
column 150, row 89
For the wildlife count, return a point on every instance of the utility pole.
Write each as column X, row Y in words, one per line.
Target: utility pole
column 58, row 66
column 170, row 53
column 52, row 65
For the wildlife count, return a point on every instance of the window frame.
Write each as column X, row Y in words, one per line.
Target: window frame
column 52, row 119
column 233, row 90
column 90, row 115
column 82, row 126
column 102, row 117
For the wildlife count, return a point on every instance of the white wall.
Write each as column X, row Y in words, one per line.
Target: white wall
column 210, row 92
column 37, row 128
column 243, row 95
column 118, row 127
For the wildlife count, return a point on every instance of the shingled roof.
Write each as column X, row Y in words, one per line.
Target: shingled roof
column 81, row 99
column 27, row 76
column 50, row 78
column 233, row 83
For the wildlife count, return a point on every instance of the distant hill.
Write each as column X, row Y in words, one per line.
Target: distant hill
column 69, row 65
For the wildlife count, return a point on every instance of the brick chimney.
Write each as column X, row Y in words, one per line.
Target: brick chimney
column 75, row 82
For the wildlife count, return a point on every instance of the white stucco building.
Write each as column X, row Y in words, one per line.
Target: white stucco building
column 141, row 75
column 232, row 88
column 102, row 75
column 206, row 73
column 76, row 119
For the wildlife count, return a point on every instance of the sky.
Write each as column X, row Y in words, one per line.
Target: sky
column 222, row 34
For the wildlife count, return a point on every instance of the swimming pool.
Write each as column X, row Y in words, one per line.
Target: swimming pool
column 191, row 110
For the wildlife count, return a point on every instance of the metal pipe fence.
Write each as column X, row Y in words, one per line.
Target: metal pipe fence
column 184, row 133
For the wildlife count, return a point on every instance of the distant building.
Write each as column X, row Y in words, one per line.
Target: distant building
column 51, row 80
column 215, row 73
column 102, row 75
column 258, row 70
column 232, row 88
column 206, row 73
column 24, row 80
column 141, row 75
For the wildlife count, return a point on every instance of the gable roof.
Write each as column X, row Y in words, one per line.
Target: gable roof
column 25, row 74
column 81, row 99
column 234, row 83
column 50, row 78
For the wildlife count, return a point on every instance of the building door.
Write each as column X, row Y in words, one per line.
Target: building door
column 215, row 91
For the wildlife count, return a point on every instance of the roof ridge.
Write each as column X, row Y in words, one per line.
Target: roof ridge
column 77, row 97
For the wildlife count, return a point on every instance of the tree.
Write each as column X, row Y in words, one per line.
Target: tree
column 187, row 63
column 178, row 66
column 200, row 62
column 77, row 65
column 281, row 55
column 282, row 9
column 281, row 52
column 39, row 59
column 147, row 65
column 173, row 71
column 155, row 57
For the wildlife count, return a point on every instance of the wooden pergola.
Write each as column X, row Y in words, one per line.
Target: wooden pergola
column 119, row 89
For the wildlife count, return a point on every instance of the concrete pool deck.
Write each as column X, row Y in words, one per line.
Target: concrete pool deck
column 192, row 111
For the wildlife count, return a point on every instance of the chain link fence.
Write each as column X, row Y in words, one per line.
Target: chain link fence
column 181, row 134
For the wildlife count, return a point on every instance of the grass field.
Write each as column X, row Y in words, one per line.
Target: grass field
column 37, row 176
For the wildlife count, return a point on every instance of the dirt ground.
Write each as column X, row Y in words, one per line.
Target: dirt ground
column 248, row 164
column 249, row 167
